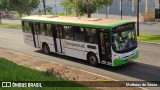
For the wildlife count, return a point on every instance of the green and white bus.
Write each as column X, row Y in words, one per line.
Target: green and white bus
column 100, row 41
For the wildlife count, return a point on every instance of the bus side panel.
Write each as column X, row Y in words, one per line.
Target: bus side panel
column 28, row 39
column 48, row 40
column 79, row 49
column 37, row 40
column 75, row 53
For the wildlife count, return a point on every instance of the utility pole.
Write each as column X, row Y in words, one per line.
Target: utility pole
column 76, row 3
column 121, row 9
column 55, row 3
column 138, row 3
column 132, row 7
column 44, row 6
column 159, row 11
column 146, row 6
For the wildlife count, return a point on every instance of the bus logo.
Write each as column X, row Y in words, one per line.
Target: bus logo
column 6, row 84
column 66, row 44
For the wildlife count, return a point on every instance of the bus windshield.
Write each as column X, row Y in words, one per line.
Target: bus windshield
column 124, row 41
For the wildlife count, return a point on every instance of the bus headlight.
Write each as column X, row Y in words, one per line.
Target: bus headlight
column 116, row 57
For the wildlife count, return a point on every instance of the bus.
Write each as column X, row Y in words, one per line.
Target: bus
column 98, row 41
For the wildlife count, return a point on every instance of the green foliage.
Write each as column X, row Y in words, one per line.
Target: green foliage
column 68, row 6
column 149, row 37
column 19, row 5
column 11, row 25
column 33, row 5
column 89, row 6
column 107, row 2
column 3, row 6
column 85, row 6
column 49, row 9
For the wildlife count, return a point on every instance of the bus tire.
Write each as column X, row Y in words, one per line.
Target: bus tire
column 46, row 49
column 92, row 59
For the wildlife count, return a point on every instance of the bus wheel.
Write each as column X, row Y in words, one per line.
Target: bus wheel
column 92, row 59
column 46, row 49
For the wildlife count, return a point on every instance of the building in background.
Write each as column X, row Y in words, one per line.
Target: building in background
column 55, row 4
column 114, row 9
column 128, row 8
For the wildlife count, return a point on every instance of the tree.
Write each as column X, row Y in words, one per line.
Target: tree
column 3, row 6
column 68, row 6
column 33, row 5
column 19, row 5
column 0, row 12
column 71, row 5
column 91, row 6
column 107, row 3
column 82, row 6
column 49, row 9
column 76, row 4
column 44, row 6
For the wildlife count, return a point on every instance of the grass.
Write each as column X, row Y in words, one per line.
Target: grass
column 11, row 25
column 10, row 71
column 149, row 37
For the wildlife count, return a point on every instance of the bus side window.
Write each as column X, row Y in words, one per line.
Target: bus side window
column 56, row 32
column 26, row 27
column 49, row 30
column 36, row 28
column 79, row 34
column 91, row 36
column 42, row 29
column 60, row 31
column 23, row 26
column 68, row 32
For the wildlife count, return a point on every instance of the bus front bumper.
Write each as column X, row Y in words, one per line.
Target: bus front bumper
column 119, row 62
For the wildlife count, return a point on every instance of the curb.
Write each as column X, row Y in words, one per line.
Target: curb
column 149, row 42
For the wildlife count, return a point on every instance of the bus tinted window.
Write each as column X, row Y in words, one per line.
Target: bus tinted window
column 42, row 29
column 79, row 34
column 60, row 31
column 26, row 27
column 36, row 28
column 68, row 32
column 91, row 35
column 48, row 30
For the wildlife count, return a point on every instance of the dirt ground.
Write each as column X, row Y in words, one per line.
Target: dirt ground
column 65, row 72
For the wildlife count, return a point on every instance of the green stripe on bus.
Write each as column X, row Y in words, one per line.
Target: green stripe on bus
column 118, row 62
column 103, row 26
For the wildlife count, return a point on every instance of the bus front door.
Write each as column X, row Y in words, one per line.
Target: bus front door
column 105, row 46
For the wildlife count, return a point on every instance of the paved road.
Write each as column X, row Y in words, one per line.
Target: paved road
column 150, row 27
column 147, row 67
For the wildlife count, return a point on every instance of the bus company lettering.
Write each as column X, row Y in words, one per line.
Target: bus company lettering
column 26, row 84
column 66, row 44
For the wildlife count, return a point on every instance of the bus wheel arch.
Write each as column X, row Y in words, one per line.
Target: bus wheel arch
column 46, row 48
column 92, row 59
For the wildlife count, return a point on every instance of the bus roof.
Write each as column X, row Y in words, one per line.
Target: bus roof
column 77, row 21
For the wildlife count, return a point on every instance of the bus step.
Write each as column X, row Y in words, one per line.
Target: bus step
column 60, row 53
